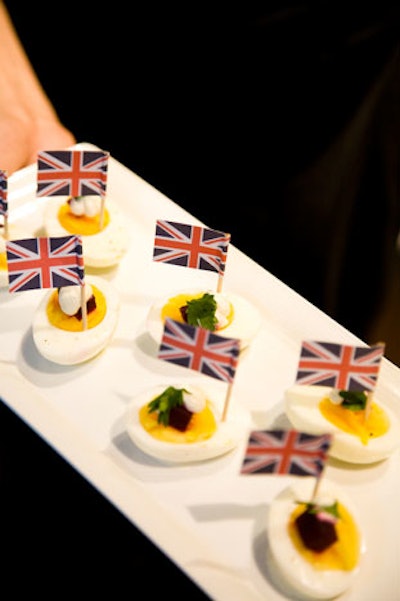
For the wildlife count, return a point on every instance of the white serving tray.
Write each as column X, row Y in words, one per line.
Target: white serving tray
column 207, row 518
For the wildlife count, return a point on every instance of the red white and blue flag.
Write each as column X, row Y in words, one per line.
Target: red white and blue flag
column 190, row 246
column 199, row 349
column 345, row 367
column 3, row 194
column 285, row 452
column 44, row 263
column 72, row 173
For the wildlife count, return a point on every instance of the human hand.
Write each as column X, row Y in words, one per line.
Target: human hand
column 28, row 120
column 21, row 140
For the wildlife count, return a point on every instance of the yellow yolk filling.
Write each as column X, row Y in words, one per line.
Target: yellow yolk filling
column 172, row 308
column 354, row 422
column 201, row 427
column 61, row 320
column 81, row 224
column 3, row 261
column 344, row 554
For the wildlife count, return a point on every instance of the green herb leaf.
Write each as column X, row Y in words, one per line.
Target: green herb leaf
column 353, row 399
column 315, row 508
column 201, row 312
column 163, row 403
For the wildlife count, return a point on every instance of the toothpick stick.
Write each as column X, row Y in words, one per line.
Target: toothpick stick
column 318, row 481
column 316, row 487
column 227, row 400
column 83, row 307
column 368, row 404
column 220, row 282
column 101, row 220
column 6, row 230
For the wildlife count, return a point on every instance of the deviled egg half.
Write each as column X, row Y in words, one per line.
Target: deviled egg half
column 104, row 244
column 317, row 543
column 58, row 330
column 226, row 314
column 364, row 430
column 182, row 424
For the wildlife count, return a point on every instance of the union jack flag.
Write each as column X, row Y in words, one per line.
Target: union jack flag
column 44, row 263
column 72, row 173
column 3, row 193
column 353, row 368
column 190, row 246
column 285, row 452
column 199, row 349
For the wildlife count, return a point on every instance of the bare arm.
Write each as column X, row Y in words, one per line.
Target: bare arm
column 28, row 121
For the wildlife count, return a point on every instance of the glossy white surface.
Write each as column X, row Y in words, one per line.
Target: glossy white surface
column 210, row 520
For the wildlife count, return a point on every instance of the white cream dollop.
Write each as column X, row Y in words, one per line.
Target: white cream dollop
column 223, row 309
column 76, row 206
column 69, row 298
column 84, row 205
column 194, row 401
column 335, row 397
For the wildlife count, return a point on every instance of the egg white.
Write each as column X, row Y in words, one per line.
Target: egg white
column 244, row 327
column 228, row 435
column 70, row 348
column 298, row 573
column 15, row 232
column 301, row 407
column 101, row 250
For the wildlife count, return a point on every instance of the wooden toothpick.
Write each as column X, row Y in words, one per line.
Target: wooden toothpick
column 83, row 307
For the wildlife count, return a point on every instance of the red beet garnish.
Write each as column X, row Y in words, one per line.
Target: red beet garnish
column 90, row 306
column 315, row 533
column 183, row 311
column 179, row 417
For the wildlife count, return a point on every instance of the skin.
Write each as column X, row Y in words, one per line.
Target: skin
column 28, row 121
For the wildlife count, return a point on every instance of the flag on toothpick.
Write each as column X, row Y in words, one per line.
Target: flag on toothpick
column 191, row 246
column 345, row 367
column 201, row 350
column 286, row 452
column 46, row 263
column 73, row 173
column 4, row 201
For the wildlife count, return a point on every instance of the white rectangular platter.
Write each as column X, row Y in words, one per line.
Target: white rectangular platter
column 207, row 518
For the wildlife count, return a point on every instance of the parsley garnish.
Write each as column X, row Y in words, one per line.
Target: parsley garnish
column 315, row 508
column 163, row 403
column 201, row 312
column 353, row 399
